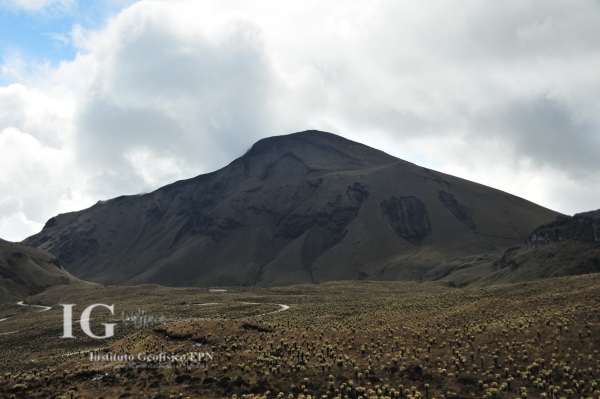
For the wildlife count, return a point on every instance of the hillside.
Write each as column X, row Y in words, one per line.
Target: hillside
column 28, row 271
column 570, row 245
column 308, row 207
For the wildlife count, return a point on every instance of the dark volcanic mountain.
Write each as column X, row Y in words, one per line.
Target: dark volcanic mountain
column 308, row 207
column 27, row 271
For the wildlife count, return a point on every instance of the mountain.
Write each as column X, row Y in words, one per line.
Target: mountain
column 570, row 245
column 307, row 207
column 27, row 271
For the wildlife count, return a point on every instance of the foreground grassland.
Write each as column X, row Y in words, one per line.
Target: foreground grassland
column 336, row 340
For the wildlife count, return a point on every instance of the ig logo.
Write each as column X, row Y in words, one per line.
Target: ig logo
column 84, row 321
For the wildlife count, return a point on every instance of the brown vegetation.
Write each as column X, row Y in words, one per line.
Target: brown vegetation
column 348, row 339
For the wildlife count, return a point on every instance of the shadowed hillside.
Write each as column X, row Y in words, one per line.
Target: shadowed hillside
column 27, row 271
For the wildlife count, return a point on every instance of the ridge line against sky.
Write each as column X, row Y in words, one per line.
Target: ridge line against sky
column 101, row 99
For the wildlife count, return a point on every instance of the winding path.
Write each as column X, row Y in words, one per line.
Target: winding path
column 44, row 308
column 282, row 307
column 20, row 303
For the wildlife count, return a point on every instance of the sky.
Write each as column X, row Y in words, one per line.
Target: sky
column 113, row 97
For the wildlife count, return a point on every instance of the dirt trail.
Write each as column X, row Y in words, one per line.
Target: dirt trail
column 282, row 307
column 44, row 308
column 20, row 303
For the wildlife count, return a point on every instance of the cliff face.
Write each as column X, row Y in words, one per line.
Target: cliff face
column 308, row 207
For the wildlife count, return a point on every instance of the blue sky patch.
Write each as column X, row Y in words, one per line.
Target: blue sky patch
column 45, row 36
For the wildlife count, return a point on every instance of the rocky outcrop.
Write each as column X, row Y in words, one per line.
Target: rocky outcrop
column 567, row 246
column 407, row 216
column 328, row 227
column 583, row 227
column 459, row 211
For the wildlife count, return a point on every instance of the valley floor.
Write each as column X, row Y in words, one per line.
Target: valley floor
column 343, row 339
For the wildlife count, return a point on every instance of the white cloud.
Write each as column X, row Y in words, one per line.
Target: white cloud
column 153, row 168
column 38, row 179
column 503, row 93
column 170, row 89
column 37, row 5
column 15, row 226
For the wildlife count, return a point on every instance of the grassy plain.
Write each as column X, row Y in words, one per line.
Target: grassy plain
column 343, row 339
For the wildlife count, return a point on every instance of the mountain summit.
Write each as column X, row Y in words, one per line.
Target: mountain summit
column 307, row 207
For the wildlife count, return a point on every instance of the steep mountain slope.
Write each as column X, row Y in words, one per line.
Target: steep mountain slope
column 301, row 208
column 27, row 271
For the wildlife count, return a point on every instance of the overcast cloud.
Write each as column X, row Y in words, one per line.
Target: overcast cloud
column 503, row 93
